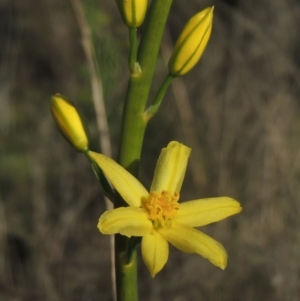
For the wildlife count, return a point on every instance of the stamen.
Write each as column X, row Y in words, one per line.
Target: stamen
column 162, row 207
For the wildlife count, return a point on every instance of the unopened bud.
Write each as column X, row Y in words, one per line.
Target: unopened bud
column 191, row 43
column 69, row 122
column 133, row 11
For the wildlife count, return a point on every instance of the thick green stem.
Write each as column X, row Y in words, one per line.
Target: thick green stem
column 134, row 123
column 133, row 129
column 126, row 273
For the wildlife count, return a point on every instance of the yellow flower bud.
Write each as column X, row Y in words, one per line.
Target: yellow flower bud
column 133, row 11
column 69, row 122
column 191, row 43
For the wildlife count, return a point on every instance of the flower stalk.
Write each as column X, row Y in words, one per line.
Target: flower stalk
column 154, row 107
column 132, row 60
column 132, row 132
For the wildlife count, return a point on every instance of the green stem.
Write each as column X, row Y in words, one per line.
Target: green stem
column 153, row 108
column 132, row 134
column 132, row 60
column 134, row 122
column 126, row 273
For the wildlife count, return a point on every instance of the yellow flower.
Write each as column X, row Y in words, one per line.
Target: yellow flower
column 69, row 122
column 158, row 217
column 191, row 43
column 133, row 11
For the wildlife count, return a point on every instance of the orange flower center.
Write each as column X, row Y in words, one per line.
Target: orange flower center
column 162, row 207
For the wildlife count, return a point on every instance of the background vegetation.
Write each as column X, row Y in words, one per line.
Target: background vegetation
column 239, row 110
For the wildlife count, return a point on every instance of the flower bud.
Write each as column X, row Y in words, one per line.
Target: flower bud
column 191, row 43
column 69, row 122
column 133, row 11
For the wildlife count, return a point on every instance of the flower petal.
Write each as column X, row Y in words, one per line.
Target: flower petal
column 170, row 168
column 205, row 211
column 131, row 190
column 155, row 251
column 129, row 221
column 190, row 240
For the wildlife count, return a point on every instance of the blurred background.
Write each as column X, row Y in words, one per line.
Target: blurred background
column 239, row 110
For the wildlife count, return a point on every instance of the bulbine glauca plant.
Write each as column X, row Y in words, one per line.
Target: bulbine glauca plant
column 154, row 217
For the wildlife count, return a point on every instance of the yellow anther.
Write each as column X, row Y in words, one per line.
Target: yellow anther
column 162, row 207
